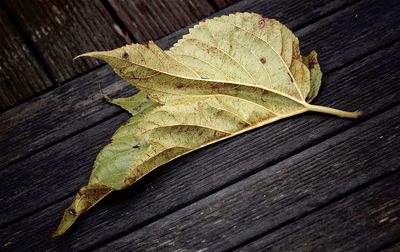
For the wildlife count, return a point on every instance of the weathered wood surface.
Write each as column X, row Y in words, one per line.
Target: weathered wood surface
column 308, row 166
column 61, row 30
column 21, row 76
column 76, row 147
column 149, row 20
column 21, row 169
column 73, row 107
column 370, row 217
column 252, row 206
column 392, row 248
column 20, row 120
column 224, row 220
column 219, row 4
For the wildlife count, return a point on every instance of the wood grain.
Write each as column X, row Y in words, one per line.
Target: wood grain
column 370, row 217
column 228, row 217
column 191, row 177
column 21, row 76
column 219, row 4
column 392, row 248
column 221, row 221
column 149, row 20
column 52, row 131
column 61, row 30
column 335, row 97
column 222, row 186
column 73, row 107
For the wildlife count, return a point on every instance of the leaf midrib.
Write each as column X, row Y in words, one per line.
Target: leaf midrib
column 208, row 80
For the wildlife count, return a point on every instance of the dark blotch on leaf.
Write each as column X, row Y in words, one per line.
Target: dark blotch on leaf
column 125, row 55
column 263, row 60
column 136, row 146
column 261, row 23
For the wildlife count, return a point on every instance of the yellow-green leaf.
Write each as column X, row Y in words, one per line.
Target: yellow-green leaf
column 229, row 75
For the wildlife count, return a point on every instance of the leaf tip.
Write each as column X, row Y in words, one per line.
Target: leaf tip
column 68, row 219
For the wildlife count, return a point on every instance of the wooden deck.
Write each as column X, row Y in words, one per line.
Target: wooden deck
column 308, row 183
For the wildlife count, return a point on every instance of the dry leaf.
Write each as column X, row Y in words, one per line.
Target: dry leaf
column 229, row 75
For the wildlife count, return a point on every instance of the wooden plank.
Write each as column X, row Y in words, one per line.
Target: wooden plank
column 70, row 175
column 230, row 216
column 392, row 248
column 364, row 221
column 150, row 20
column 61, row 30
column 287, row 191
column 350, row 97
column 52, row 131
column 219, row 4
column 294, row 14
column 73, row 107
column 21, row 76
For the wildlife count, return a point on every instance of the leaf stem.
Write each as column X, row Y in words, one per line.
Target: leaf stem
column 336, row 112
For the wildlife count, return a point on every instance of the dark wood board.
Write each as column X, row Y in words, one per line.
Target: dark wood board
column 189, row 178
column 149, row 20
column 227, row 217
column 370, row 217
column 61, row 30
column 392, row 248
column 52, row 117
column 21, row 76
column 13, row 126
column 39, row 187
column 219, row 4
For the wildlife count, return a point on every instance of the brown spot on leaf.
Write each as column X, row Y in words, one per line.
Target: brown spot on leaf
column 125, row 55
column 129, row 181
column 261, row 23
column 215, row 87
column 296, row 55
column 72, row 212
column 179, row 86
column 263, row 60
column 312, row 61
